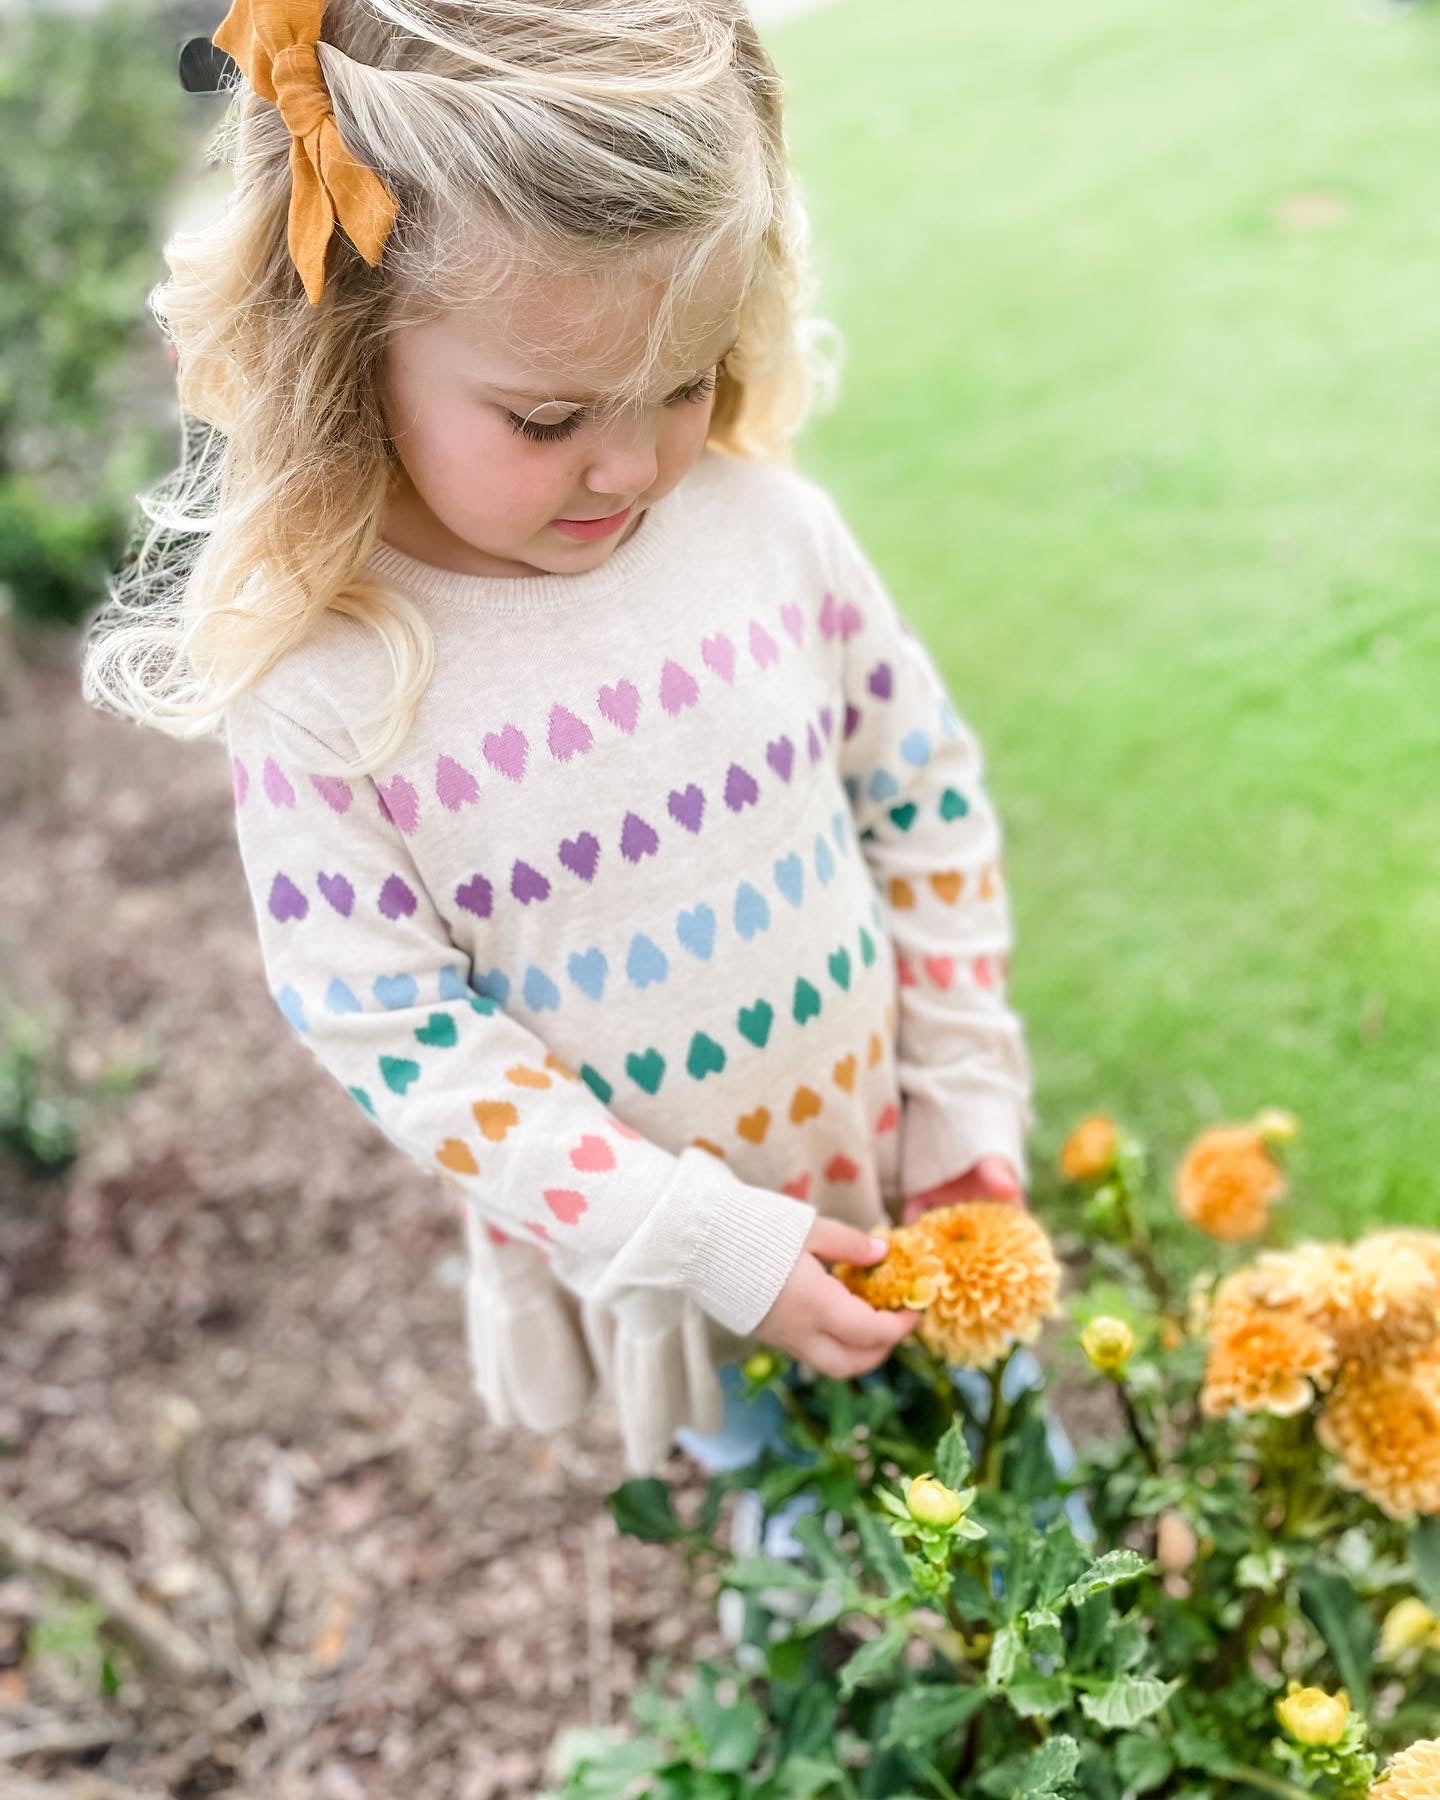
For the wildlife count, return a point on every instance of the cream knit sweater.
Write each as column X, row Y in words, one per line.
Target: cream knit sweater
column 678, row 919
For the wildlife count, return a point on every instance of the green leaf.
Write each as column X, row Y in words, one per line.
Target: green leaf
column 1004, row 1656
column 1143, row 1763
column 1341, row 1618
column 1050, row 1772
column 1124, row 1702
column 643, row 1509
column 872, row 1657
column 1035, row 1696
column 729, row 1730
column 769, row 1571
column 882, row 1553
column 924, row 1714
column 810, row 1531
column 1108, row 1571
column 952, row 1456
column 1425, row 1554
column 802, row 1777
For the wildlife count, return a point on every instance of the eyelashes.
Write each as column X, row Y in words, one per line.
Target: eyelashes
column 564, row 428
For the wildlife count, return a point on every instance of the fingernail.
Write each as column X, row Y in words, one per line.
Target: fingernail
column 879, row 1246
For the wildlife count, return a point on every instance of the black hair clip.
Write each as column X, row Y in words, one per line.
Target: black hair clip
column 205, row 68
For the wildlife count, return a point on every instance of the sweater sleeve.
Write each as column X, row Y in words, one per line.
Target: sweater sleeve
column 362, row 966
column 915, row 777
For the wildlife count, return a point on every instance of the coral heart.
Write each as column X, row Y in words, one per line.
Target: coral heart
column 904, row 974
column 889, row 1119
column 844, row 1073
column 569, row 736
column 455, row 786
column 286, row 900
column 399, row 803
column 948, row 885
column 940, row 969
column 592, row 1155
column 506, row 750
column 804, row 1104
column 457, row 1157
column 565, row 1203
column 397, row 900
column 338, row 891
column 687, row 804
column 752, row 1126
column 719, row 655
column 840, row 1168
column 626, row 1131
column 620, row 704
column 495, row 1118
column 799, row 1188
column 475, row 896
column 524, row 1076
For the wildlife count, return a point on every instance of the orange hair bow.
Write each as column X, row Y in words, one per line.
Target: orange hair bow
column 274, row 41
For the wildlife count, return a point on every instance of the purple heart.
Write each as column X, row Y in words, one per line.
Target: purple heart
column 852, row 720
column 528, row 884
column 338, row 891
column 812, row 743
column 719, row 654
column 793, row 619
column 637, row 839
column 396, row 899
column 780, row 754
column 620, row 704
column 678, row 687
column 580, row 854
column 569, row 736
column 828, row 623
column 333, row 791
column 827, row 720
column 881, row 682
column 455, row 786
column 475, row 895
column 277, row 789
column 851, row 621
column 687, row 805
column 740, row 788
column 242, row 781
column 400, row 803
column 505, row 751
column 762, row 646
column 286, row 900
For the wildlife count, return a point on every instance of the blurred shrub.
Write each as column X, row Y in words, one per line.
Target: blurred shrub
column 94, row 130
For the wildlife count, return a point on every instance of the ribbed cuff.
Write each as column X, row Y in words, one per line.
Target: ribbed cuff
column 749, row 1239
column 939, row 1142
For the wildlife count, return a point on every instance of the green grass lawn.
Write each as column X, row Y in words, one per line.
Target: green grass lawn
column 1142, row 424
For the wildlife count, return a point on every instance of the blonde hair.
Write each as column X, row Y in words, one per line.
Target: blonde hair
column 521, row 138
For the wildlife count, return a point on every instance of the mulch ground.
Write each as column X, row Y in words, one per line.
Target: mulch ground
column 233, row 1381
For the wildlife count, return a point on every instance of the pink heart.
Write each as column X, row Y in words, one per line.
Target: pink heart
column 793, row 620
column 828, row 623
column 620, row 704
column 940, row 969
column 678, row 687
column 277, row 789
column 592, row 1155
column 333, row 791
column 566, row 1204
column 455, row 786
column 762, row 646
column 888, row 1120
column 242, row 781
column 851, row 621
column 505, row 750
column 400, row 803
column 569, row 736
column 719, row 654
column 626, row 1131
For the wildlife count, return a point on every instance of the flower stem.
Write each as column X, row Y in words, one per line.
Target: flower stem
column 1242, row 1773
column 1142, row 1437
column 992, row 1445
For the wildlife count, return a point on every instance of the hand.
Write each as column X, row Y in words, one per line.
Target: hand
column 817, row 1319
column 992, row 1178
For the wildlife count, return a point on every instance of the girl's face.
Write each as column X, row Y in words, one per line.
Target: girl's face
column 500, row 421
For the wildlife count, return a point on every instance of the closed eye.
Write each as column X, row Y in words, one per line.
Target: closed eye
column 566, row 427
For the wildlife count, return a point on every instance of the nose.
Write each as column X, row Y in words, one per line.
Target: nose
column 625, row 460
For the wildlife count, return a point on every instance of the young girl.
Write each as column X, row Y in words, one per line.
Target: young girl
column 611, row 838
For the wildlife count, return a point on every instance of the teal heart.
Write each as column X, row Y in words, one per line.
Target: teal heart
column 882, row 784
column 824, row 862
column 752, row 914
column 790, row 878
column 807, row 1001
column 482, row 1003
column 395, row 992
column 541, row 993
column 696, row 931
column 361, row 1098
column 755, row 1022
column 839, row 961
column 339, row 998
column 867, row 947
column 588, row 970
column 453, row 985
column 596, row 1083
column 438, row 1032
column 953, row 805
column 904, row 816
column 915, row 748
column 293, row 1007
column 399, row 1072
column 647, row 1070
column 495, row 983
column 646, row 963
column 706, row 1056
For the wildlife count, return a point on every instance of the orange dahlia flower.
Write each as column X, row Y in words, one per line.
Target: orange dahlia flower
column 1383, row 1423
column 1412, row 1775
column 983, row 1274
column 1262, row 1359
column 1228, row 1182
column 1378, row 1299
column 1090, row 1151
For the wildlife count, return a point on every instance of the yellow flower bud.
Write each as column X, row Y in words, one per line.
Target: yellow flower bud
column 932, row 1503
column 1277, row 1126
column 1409, row 1625
column 1311, row 1716
column 759, row 1367
column 1109, row 1344
column 1090, row 1150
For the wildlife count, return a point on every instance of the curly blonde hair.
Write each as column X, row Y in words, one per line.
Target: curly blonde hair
column 522, row 139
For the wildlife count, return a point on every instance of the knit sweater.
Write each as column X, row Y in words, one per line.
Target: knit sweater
column 677, row 920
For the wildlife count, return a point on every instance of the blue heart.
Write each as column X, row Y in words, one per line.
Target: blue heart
column 852, row 788
column 883, row 785
column 293, row 1007
column 541, row 993
column 790, row 878
column 339, row 999
column 495, row 985
column 396, row 991
column 588, row 970
column 696, row 931
column 915, row 748
column 824, row 861
column 949, row 724
column 453, row 985
column 646, row 962
column 751, row 912
column 837, row 830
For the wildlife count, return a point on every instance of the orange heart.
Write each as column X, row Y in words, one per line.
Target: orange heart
column 752, row 1126
column 531, row 1078
column 877, row 1049
column 948, row 885
column 552, row 1061
column 901, row 892
column 840, row 1168
column 987, row 885
column 452, row 1154
column 705, row 1144
column 804, row 1104
column 844, row 1073
column 495, row 1117
column 940, row 969
column 799, row 1187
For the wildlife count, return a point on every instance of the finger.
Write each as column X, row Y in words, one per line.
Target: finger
column 863, row 1327
column 844, row 1362
column 845, row 1243
column 997, row 1178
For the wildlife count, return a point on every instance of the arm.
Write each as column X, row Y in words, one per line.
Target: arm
column 915, row 777
column 362, row 967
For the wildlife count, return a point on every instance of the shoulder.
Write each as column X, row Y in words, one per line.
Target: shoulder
column 310, row 692
column 765, row 499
